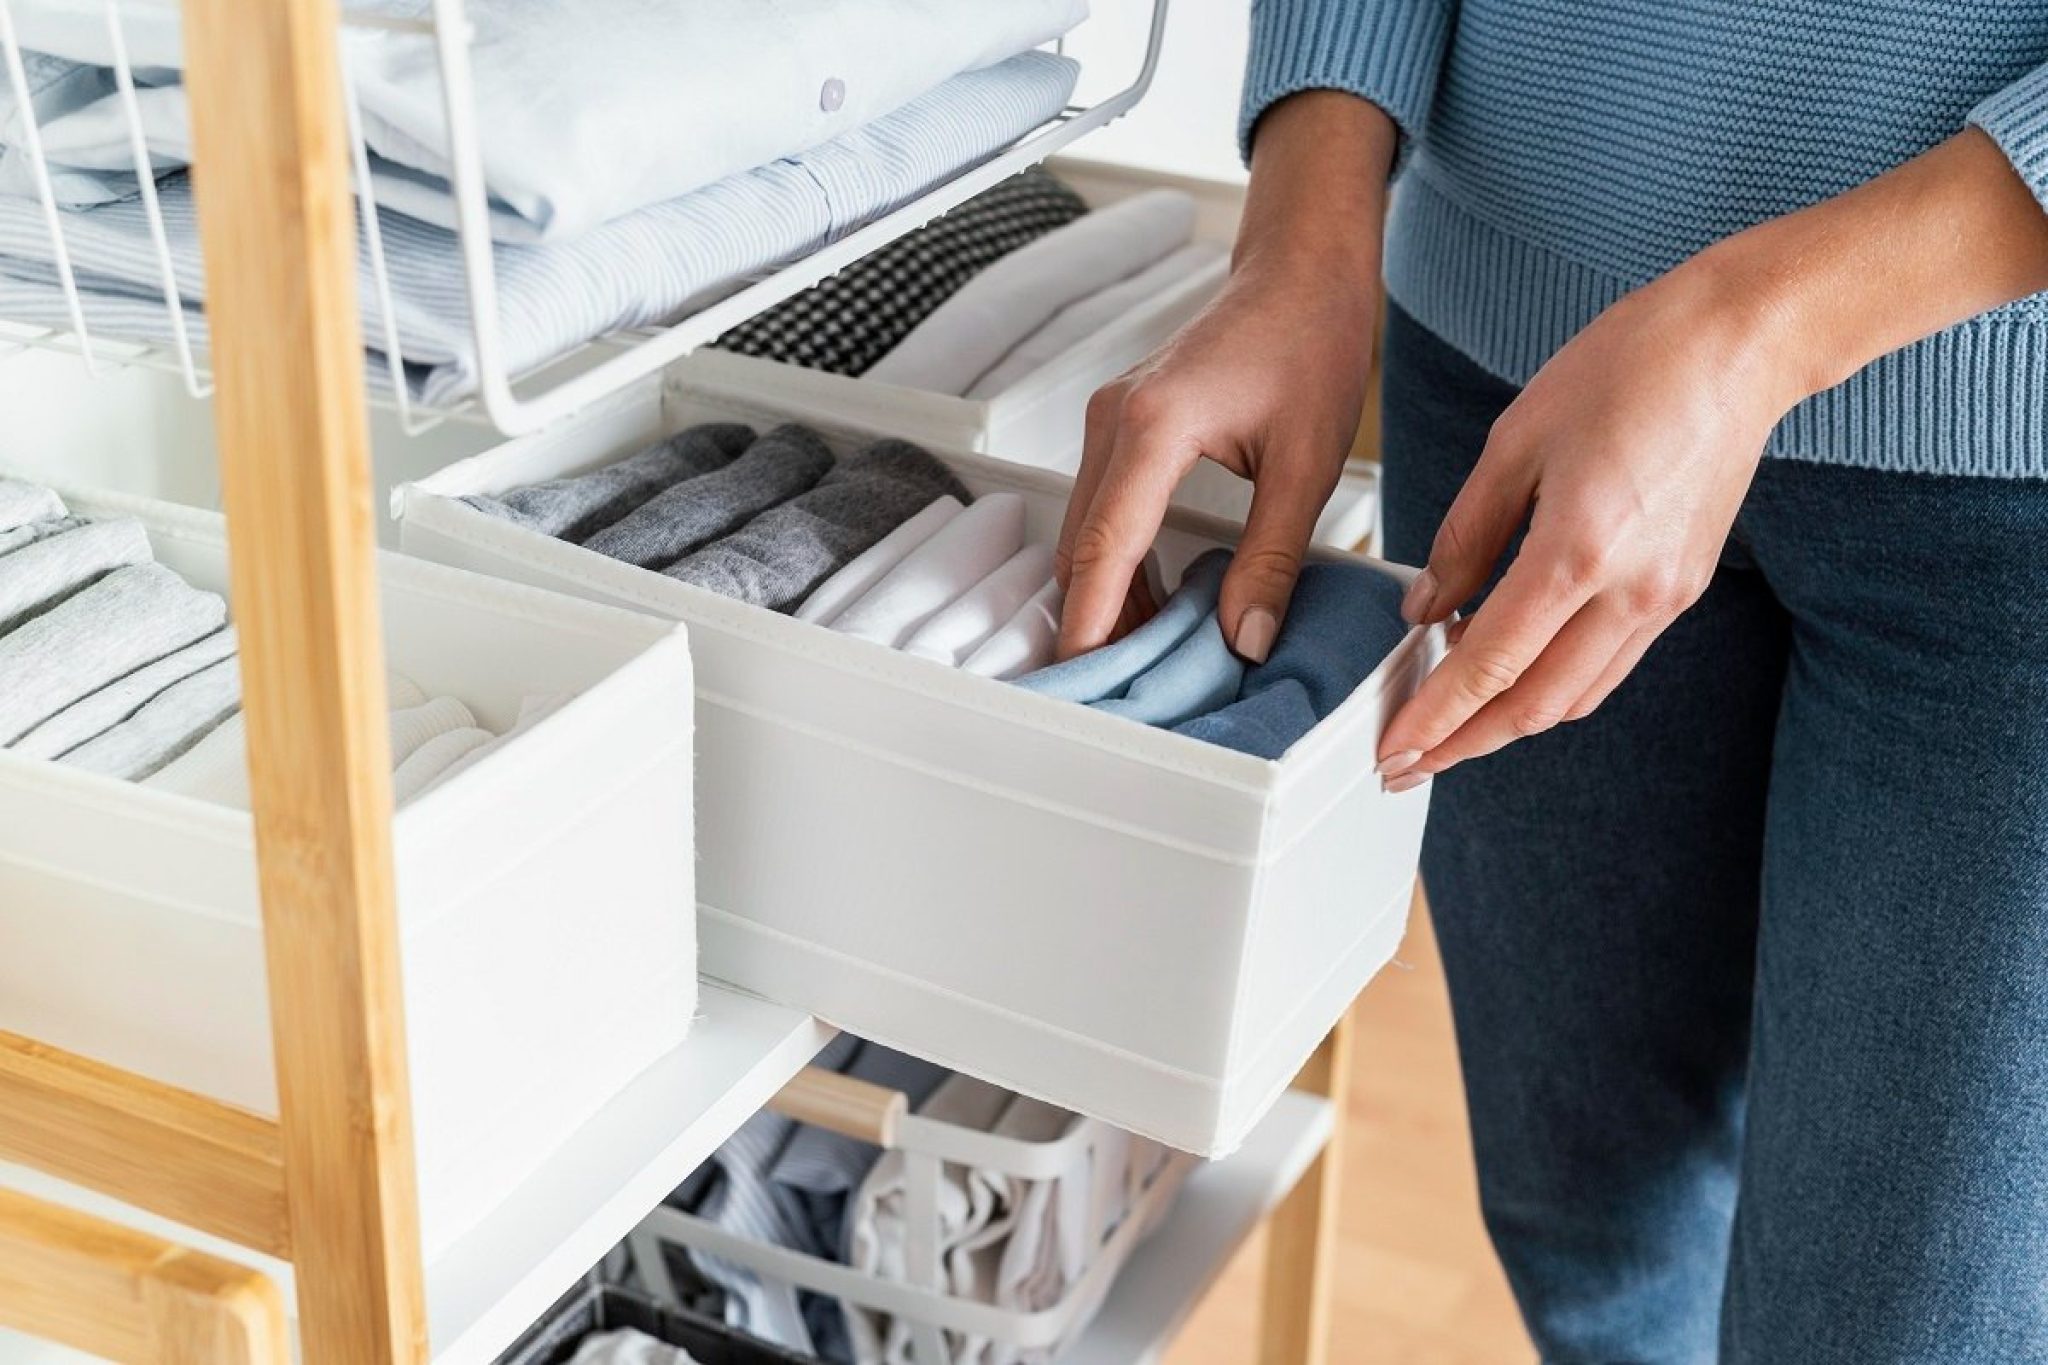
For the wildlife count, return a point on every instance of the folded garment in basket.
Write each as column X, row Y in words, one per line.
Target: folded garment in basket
column 628, row 1347
column 124, row 697
column 689, row 516
column 953, row 634
column 164, row 727
column 130, row 618
column 1176, row 672
column 39, row 576
column 780, row 557
column 843, row 588
column 966, row 550
column 1025, row 643
column 637, row 270
column 584, row 112
column 1086, row 317
column 970, row 333
column 574, row 507
column 846, row 323
column 24, row 504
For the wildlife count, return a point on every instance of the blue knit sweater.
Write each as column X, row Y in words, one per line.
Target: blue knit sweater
column 1558, row 153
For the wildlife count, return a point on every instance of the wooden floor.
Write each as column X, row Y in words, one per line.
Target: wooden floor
column 1416, row 1282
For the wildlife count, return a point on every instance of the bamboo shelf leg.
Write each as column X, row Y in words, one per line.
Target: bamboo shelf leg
column 107, row 1289
column 277, row 227
column 1294, row 1316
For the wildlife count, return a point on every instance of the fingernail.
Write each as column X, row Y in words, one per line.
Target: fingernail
column 1399, row 762
column 1255, row 632
column 1405, row 782
column 1421, row 595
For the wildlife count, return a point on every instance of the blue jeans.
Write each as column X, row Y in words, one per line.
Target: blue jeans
column 1750, row 968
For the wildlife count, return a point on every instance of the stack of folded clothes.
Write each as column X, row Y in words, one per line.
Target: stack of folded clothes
column 888, row 546
column 1016, row 1244
column 111, row 663
column 980, row 299
column 637, row 159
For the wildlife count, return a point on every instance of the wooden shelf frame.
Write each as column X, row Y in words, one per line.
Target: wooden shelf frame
column 330, row 1184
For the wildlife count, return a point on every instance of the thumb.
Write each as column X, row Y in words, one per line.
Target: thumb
column 1287, row 498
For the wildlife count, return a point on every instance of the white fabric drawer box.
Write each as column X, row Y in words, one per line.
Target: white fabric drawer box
column 1117, row 919
column 547, row 943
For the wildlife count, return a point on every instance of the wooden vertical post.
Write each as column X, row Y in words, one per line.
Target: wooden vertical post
column 276, row 222
column 1294, row 1325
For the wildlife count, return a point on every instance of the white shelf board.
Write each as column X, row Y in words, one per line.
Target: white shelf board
column 487, row 1288
column 1221, row 1205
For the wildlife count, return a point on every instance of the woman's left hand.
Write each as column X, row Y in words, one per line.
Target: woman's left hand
column 1628, row 455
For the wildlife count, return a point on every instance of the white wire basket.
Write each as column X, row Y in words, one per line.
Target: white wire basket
column 932, row 1323
column 514, row 403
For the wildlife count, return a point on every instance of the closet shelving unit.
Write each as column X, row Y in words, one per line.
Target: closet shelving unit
column 146, row 1223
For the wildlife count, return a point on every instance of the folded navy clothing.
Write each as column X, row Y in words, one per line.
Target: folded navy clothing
column 1342, row 622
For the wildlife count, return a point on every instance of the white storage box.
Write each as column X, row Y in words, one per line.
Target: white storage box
column 1039, row 420
column 1120, row 920
column 547, row 942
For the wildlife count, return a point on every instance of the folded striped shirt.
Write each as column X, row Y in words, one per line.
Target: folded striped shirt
column 638, row 270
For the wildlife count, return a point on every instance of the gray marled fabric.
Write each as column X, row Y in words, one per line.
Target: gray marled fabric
column 23, row 503
column 776, row 559
column 574, row 507
column 132, row 617
column 173, row 721
column 21, row 537
column 93, row 716
column 39, row 576
column 691, row 515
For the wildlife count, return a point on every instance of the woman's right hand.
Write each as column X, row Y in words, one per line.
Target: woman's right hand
column 1268, row 382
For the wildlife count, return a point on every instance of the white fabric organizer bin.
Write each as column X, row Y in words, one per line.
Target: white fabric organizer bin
column 1119, row 920
column 547, row 943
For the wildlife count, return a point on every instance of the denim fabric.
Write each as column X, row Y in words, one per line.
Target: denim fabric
column 1750, row 969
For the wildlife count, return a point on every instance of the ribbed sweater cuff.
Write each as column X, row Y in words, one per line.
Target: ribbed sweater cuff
column 1386, row 51
column 2017, row 120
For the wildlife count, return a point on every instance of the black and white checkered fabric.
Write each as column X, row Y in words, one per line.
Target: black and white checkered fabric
column 847, row 323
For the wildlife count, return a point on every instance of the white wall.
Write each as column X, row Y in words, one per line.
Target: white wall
column 1187, row 124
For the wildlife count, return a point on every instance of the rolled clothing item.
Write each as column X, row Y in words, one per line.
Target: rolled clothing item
column 1197, row 676
column 1342, row 623
column 532, row 711
column 401, row 691
column 1027, row 642
column 426, row 764
column 1085, row 317
column 954, row 632
column 23, row 503
column 1107, row 672
column 846, row 323
column 970, row 332
column 132, row 617
column 781, row 556
column 169, row 724
column 937, row 573
column 412, row 728
column 580, row 504
column 39, row 576
column 100, row 712
column 851, row 582
column 23, row 536
column 627, row 1346
column 689, row 516
column 215, row 770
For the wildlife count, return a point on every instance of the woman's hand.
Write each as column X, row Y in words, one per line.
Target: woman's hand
column 1629, row 452
column 1268, row 381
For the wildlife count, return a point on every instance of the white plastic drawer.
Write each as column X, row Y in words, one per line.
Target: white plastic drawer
column 547, row 940
column 1117, row 919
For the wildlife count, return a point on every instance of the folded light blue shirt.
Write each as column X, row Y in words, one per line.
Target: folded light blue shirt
column 1107, row 674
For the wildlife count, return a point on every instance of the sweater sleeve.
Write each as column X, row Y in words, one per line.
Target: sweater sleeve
column 1386, row 51
column 2017, row 120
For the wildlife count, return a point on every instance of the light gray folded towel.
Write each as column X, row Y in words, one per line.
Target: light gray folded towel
column 22, row 503
column 118, row 700
column 574, row 507
column 779, row 557
column 691, row 515
column 132, row 617
column 39, row 576
column 171, row 723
